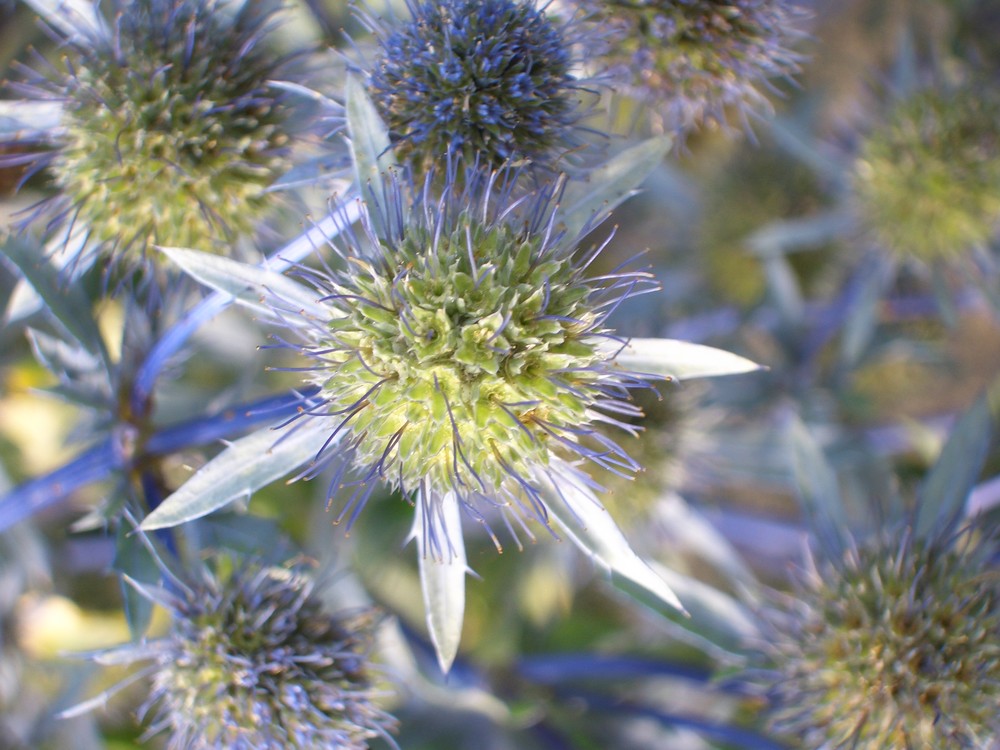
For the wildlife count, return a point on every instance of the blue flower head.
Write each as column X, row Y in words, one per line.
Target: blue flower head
column 491, row 80
column 252, row 661
column 168, row 131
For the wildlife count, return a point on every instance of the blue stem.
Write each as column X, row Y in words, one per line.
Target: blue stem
column 552, row 669
column 711, row 730
column 108, row 456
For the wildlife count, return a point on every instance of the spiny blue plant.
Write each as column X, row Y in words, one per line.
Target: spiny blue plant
column 466, row 350
column 693, row 61
column 253, row 661
column 169, row 129
column 892, row 646
column 493, row 81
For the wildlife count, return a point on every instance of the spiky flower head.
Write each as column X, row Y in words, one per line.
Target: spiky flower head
column 488, row 79
column 695, row 59
column 927, row 182
column 893, row 647
column 170, row 131
column 254, row 662
column 466, row 349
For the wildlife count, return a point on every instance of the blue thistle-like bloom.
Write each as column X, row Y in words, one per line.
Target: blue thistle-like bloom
column 694, row 60
column 491, row 80
column 467, row 355
column 168, row 128
column 926, row 182
column 252, row 661
column 893, row 646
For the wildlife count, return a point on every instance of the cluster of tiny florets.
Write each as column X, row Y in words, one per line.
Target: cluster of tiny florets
column 467, row 352
column 253, row 662
column 894, row 647
column 928, row 181
column 693, row 60
column 490, row 80
column 171, row 132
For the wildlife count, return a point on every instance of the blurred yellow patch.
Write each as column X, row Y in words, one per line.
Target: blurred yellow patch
column 52, row 626
column 36, row 424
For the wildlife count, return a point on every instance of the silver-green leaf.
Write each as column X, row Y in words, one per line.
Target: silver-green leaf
column 586, row 201
column 241, row 469
column 270, row 295
column 678, row 360
column 437, row 528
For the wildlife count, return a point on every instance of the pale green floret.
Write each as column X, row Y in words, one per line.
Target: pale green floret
column 161, row 171
column 171, row 132
column 928, row 182
column 254, row 662
column 463, row 361
column 895, row 648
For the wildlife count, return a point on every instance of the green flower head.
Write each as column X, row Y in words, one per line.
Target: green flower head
column 466, row 349
column 253, row 661
column 893, row 647
column 170, row 132
column 927, row 183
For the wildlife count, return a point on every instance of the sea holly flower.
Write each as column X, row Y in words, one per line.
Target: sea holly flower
column 463, row 355
column 892, row 646
column 161, row 124
column 253, row 660
column 888, row 638
column 693, row 61
column 926, row 181
column 491, row 80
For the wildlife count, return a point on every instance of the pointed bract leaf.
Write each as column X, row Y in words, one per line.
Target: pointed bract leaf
column 437, row 528
column 586, row 201
column 70, row 254
column 263, row 291
column 862, row 316
column 786, row 235
column 68, row 302
column 74, row 18
column 371, row 149
column 590, row 526
column 678, row 360
column 716, row 621
column 242, row 468
column 943, row 494
column 134, row 560
column 817, row 488
column 29, row 121
column 783, row 286
column 692, row 533
column 61, row 356
column 320, row 169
